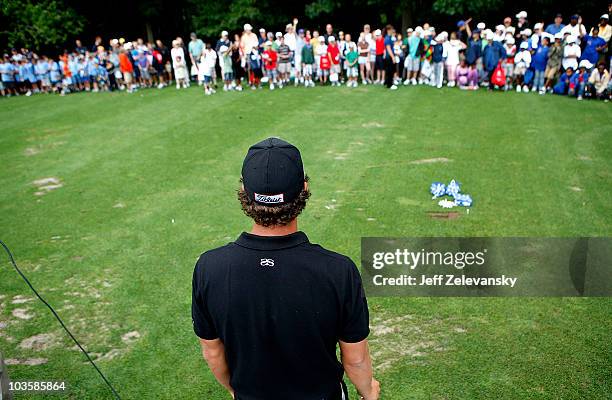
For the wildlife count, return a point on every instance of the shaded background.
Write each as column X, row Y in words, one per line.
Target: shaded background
column 166, row 19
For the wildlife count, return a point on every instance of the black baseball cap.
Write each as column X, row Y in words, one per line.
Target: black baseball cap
column 272, row 172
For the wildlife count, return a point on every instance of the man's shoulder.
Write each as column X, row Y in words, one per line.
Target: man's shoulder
column 330, row 256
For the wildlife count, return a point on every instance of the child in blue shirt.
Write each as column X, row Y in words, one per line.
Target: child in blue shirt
column 563, row 84
column 539, row 60
column 579, row 80
column 55, row 75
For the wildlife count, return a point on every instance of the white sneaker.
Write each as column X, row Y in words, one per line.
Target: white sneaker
column 271, row 86
column 518, row 89
column 525, row 89
column 439, row 86
column 207, row 92
column 393, row 87
column 413, row 81
column 238, row 88
column 178, row 86
column 160, row 86
column 29, row 93
column 407, row 82
column 579, row 97
column 542, row 91
column 533, row 89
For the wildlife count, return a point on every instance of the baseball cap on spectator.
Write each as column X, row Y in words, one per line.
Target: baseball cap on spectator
column 490, row 35
column 524, row 45
column 522, row 14
column 331, row 39
column 224, row 33
column 575, row 16
column 481, row 25
column 559, row 15
column 273, row 172
column 585, row 64
column 247, row 27
column 377, row 32
column 268, row 43
column 538, row 26
column 559, row 36
column 322, row 39
column 262, row 30
column 510, row 40
column 300, row 31
column 418, row 29
column 278, row 34
column 604, row 16
column 526, row 32
column 460, row 23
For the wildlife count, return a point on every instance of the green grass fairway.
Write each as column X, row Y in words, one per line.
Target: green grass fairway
column 148, row 182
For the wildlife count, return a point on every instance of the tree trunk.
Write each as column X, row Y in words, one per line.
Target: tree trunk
column 407, row 18
column 149, row 32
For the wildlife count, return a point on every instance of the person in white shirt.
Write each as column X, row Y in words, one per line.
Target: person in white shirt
column 571, row 53
column 575, row 27
column 452, row 48
column 179, row 65
column 522, row 61
column 206, row 67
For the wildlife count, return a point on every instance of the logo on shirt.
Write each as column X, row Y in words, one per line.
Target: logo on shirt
column 269, row 199
column 266, row 262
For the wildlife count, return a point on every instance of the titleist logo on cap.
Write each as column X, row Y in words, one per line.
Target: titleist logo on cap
column 269, row 198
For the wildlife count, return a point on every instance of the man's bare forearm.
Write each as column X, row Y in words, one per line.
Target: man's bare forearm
column 214, row 354
column 358, row 367
column 361, row 375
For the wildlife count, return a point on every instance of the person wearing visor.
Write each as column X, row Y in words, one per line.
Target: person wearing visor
column 271, row 307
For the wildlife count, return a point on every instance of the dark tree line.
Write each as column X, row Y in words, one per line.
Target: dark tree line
column 54, row 24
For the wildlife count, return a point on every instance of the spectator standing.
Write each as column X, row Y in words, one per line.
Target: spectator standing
column 195, row 48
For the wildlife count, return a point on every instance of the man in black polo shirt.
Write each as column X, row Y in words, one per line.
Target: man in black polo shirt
column 270, row 307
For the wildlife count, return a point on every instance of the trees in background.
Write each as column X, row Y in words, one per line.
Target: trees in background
column 38, row 24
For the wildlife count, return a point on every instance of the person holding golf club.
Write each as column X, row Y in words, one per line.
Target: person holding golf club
column 271, row 307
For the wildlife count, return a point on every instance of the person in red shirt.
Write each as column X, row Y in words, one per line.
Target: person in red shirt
column 324, row 67
column 380, row 59
column 333, row 54
column 126, row 68
column 270, row 59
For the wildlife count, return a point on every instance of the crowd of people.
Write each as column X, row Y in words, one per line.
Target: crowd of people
column 563, row 59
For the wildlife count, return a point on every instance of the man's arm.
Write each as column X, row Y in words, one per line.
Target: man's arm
column 214, row 354
column 358, row 367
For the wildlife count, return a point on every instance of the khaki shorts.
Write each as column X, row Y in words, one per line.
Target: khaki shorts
column 284, row 67
column 551, row 73
column 127, row 77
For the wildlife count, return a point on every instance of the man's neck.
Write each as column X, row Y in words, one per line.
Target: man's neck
column 276, row 230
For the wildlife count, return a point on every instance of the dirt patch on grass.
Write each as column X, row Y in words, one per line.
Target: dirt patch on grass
column 26, row 361
column 45, row 185
column 443, row 215
column 372, row 124
column 576, row 189
column 31, row 151
column 130, row 337
column 408, row 339
column 22, row 313
column 19, row 299
column 42, row 341
column 431, row 160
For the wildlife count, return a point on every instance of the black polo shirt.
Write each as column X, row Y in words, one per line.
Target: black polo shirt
column 279, row 304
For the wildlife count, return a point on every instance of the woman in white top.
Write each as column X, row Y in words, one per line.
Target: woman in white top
column 179, row 64
column 452, row 48
column 571, row 53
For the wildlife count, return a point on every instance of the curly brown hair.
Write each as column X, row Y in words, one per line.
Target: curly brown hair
column 273, row 216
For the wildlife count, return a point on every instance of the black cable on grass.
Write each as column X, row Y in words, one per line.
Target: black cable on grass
column 8, row 251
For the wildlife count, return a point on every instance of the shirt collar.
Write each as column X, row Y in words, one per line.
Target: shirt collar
column 256, row 242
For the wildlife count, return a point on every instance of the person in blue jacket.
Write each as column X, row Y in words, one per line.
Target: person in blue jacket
column 580, row 79
column 474, row 49
column 492, row 54
column 539, row 59
column 594, row 46
column 563, row 83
